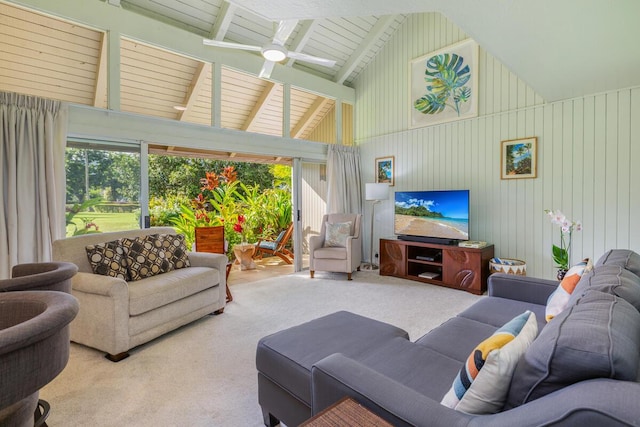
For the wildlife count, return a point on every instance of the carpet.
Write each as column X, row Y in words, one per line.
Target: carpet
column 203, row 374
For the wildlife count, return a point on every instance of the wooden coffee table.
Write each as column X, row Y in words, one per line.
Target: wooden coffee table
column 346, row 413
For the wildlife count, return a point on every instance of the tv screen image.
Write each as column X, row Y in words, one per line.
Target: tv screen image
column 432, row 214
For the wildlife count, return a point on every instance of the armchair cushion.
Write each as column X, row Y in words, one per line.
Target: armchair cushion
column 336, row 234
column 108, row 259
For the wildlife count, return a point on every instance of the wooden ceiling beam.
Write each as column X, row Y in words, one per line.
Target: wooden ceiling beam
column 197, row 82
column 223, row 21
column 356, row 57
column 308, row 117
column 100, row 91
column 262, row 102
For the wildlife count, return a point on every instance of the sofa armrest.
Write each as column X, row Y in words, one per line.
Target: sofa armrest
column 98, row 284
column 594, row 402
column 521, row 288
column 337, row 376
column 206, row 259
column 103, row 319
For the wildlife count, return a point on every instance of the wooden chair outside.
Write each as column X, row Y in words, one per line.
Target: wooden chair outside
column 277, row 247
column 211, row 239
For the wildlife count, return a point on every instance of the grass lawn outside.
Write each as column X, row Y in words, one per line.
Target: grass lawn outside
column 105, row 221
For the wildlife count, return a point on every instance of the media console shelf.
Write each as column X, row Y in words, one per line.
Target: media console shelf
column 444, row 265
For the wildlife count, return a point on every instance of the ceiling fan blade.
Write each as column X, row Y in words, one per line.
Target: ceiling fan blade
column 312, row 59
column 285, row 28
column 266, row 70
column 229, row 45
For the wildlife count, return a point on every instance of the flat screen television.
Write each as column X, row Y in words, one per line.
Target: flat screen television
column 439, row 216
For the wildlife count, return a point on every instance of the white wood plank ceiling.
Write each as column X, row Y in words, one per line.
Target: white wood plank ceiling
column 53, row 58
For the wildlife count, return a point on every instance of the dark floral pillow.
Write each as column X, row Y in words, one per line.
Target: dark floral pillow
column 175, row 250
column 108, row 259
column 145, row 256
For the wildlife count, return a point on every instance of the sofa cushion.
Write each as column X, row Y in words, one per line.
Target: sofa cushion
column 175, row 250
column 624, row 258
column 286, row 357
column 156, row 291
column 145, row 256
column 336, row 234
column 610, row 279
column 456, row 337
column 108, row 259
column 559, row 299
column 482, row 384
column 497, row 311
column 424, row 370
column 598, row 337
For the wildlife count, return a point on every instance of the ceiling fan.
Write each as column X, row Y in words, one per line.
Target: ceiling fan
column 275, row 51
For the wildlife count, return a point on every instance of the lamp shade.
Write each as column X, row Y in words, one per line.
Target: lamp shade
column 376, row 191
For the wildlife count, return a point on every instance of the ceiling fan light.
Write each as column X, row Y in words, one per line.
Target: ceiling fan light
column 274, row 53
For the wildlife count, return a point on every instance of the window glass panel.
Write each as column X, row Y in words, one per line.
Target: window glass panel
column 103, row 190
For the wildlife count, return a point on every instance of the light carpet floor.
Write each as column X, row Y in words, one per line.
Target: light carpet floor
column 204, row 374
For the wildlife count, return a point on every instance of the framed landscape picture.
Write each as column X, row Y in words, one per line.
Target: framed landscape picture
column 444, row 85
column 519, row 158
column 384, row 170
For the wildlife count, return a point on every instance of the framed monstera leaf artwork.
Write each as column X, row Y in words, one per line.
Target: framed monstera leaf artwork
column 444, row 85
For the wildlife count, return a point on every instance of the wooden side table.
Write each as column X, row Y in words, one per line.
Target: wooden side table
column 346, row 413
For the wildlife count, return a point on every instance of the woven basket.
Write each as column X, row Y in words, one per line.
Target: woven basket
column 508, row 266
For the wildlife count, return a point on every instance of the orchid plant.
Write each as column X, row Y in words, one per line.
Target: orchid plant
column 562, row 253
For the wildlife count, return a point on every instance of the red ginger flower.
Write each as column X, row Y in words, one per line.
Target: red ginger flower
column 229, row 174
column 211, row 181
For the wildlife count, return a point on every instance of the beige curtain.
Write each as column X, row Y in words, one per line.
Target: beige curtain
column 344, row 188
column 32, row 178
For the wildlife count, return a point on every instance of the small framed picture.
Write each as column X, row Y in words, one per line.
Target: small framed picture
column 519, row 158
column 385, row 170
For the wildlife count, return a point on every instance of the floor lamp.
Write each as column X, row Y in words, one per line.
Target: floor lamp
column 376, row 193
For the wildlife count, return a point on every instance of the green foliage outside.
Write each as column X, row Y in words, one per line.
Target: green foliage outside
column 259, row 192
column 247, row 212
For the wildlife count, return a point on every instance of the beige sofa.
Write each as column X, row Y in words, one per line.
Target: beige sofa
column 116, row 316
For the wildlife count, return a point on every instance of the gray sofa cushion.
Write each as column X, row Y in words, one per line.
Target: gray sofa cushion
column 428, row 372
column 286, row 357
column 456, row 337
column 497, row 311
column 598, row 337
column 610, row 279
column 624, row 258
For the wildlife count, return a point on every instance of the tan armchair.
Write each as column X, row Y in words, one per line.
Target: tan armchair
column 345, row 259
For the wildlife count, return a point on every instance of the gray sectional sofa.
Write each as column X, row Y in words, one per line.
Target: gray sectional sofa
column 117, row 315
column 581, row 369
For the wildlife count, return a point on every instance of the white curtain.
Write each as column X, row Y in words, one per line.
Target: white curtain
column 344, row 188
column 32, row 178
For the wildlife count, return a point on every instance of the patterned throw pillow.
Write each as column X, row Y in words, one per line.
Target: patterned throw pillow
column 336, row 234
column 482, row 384
column 175, row 250
column 559, row 299
column 108, row 259
column 145, row 256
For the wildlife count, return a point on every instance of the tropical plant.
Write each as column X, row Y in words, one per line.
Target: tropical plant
column 246, row 212
column 446, row 76
column 89, row 226
column 562, row 253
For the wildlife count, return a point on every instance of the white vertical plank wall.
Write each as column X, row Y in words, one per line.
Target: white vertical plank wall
column 587, row 149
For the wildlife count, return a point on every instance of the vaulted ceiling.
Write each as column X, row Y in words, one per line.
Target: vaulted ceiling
column 561, row 48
